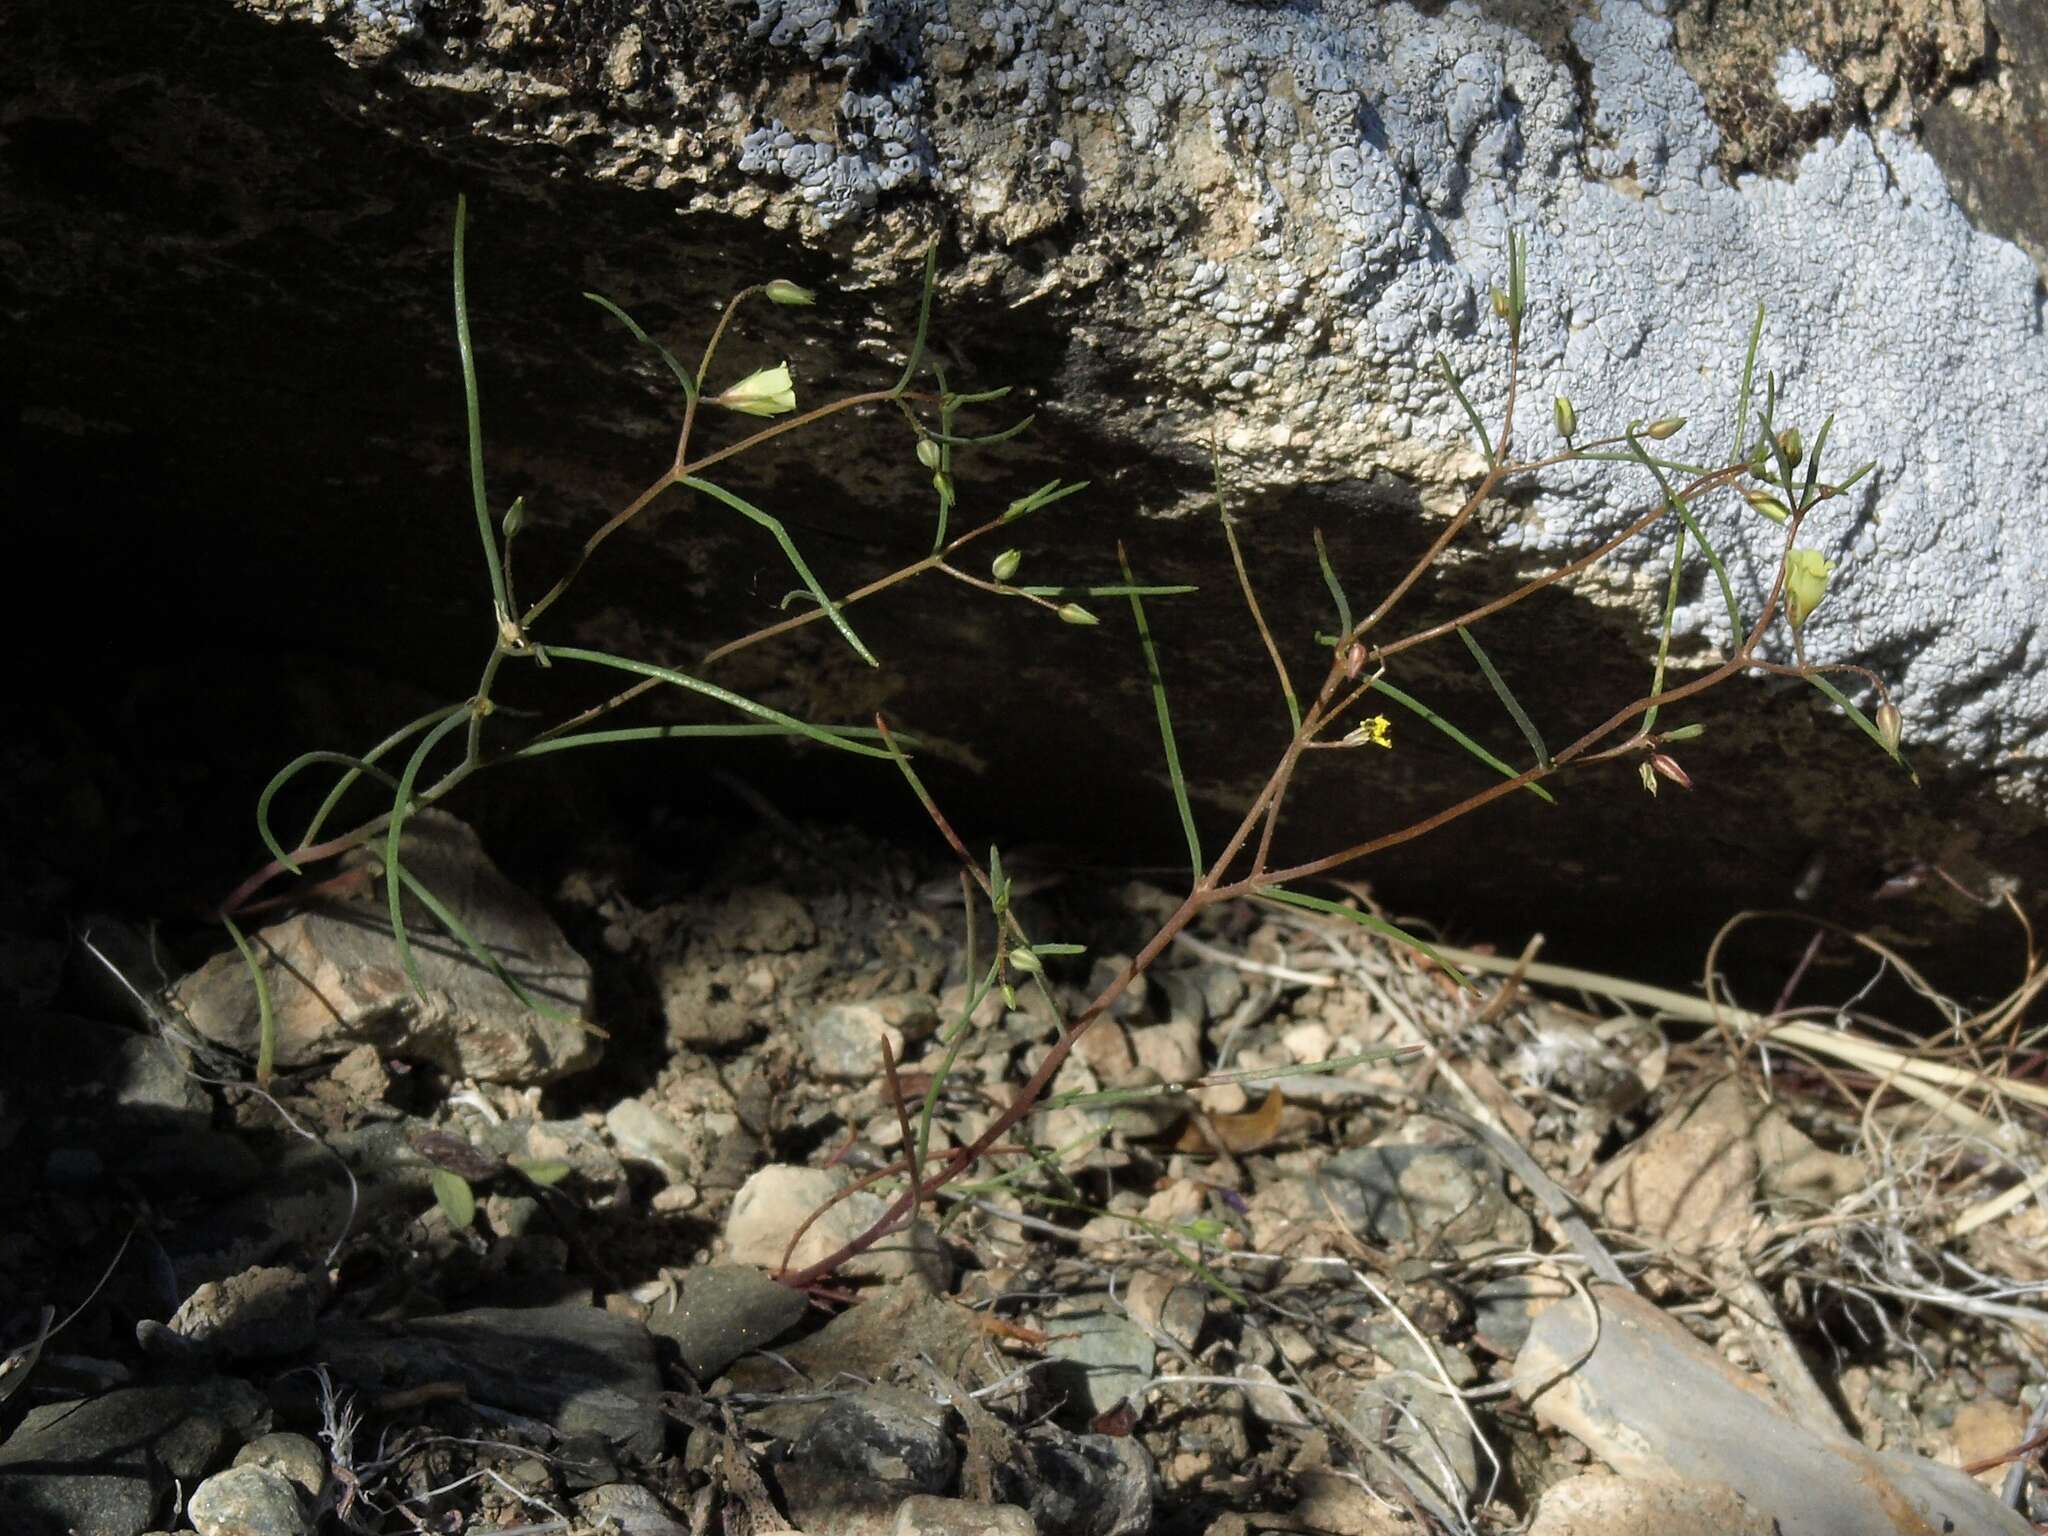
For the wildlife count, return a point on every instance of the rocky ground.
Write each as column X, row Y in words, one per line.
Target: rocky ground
column 1307, row 1238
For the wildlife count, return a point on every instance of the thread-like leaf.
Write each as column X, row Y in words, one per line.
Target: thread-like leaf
column 1507, row 698
column 357, row 768
column 1740, row 450
column 747, row 509
column 1423, row 712
column 825, row 736
column 1336, row 587
column 1378, row 925
column 481, row 954
column 1863, row 722
column 687, row 733
column 473, row 413
column 394, row 870
column 266, row 1012
column 682, row 374
column 924, row 318
column 1157, row 681
column 1458, row 388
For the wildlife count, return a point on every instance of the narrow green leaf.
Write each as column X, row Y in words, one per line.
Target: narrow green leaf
column 1423, row 712
column 1820, row 442
column 1756, row 332
column 1378, row 925
column 1507, row 698
column 1664, row 628
column 266, row 1012
column 691, row 733
column 394, row 870
column 481, row 954
column 1336, row 588
column 1044, row 496
column 826, row 736
column 1157, row 681
column 357, row 766
column 1060, row 949
column 473, row 412
column 747, row 509
column 958, row 441
column 1863, row 723
column 924, row 318
column 453, row 1194
column 1458, row 388
column 682, row 374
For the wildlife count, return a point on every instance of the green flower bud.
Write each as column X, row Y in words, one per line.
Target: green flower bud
column 783, row 291
column 1025, row 961
column 770, row 392
column 515, row 518
column 1791, row 445
column 1663, row 427
column 1889, row 725
column 928, row 453
column 1806, row 583
column 1074, row 613
column 943, row 484
column 1649, row 777
column 1768, row 505
column 1004, row 566
column 1501, row 307
column 1567, row 418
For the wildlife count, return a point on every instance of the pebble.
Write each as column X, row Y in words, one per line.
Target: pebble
column 777, row 1199
column 298, row 1460
column 248, row 1501
column 924, row 1515
column 723, row 1311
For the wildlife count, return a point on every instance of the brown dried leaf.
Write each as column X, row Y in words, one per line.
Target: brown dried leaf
column 1248, row 1132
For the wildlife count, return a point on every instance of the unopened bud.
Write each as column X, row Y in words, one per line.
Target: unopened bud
column 1649, row 776
column 1666, row 766
column 515, row 517
column 1792, row 445
column 1004, row 566
column 783, row 291
column 1567, row 418
column 1501, row 308
column 1889, row 725
column 1024, row 960
column 770, row 392
column 1663, row 427
column 1354, row 660
column 927, row 453
column 1768, row 505
column 1806, row 583
column 1074, row 613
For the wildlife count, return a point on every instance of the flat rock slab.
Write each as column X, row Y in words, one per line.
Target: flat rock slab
column 337, row 980
column 1658, row 1406
column 102, row 1465
column 723, row 1311
column 583, row 1370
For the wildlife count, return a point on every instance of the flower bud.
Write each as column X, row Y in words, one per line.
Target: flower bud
column 1649, row 777
column 1663, row 427
column 927, row 453
column 1024, row 960
column 1768, row 505
column 770, row 392
column 515, row 518
column 1806, row 583
column 1501, row 308
column 1004, row 566
column 1666, row 766
column 943, row 484
column 1791, row 445
column 1889, row 725
column 1074, row 613
column 783, row 291
column 1567, row 418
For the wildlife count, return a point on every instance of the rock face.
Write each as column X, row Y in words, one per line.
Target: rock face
column 1168, row 226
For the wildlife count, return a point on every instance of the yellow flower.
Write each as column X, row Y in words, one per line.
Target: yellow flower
column 771, row 392
column 1806, row 583
column 1377, row 731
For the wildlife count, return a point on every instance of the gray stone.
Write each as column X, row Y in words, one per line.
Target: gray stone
column 642, row 1135
column 776, row 1201
column 583, row 1370
column 1423, row 1197
column 631, row 1509
column 336, row 978
column 260, row 1313
column 249, row 1501
column 1081, row 1485
column 883, row 1436
column 1655, row 1403
column 102, row 1465
column 924, row 1515
column 1102, row 1356
column 295, row 1458
column 722, row 1311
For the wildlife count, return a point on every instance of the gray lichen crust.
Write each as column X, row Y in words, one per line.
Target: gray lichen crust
column 1275, row 217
